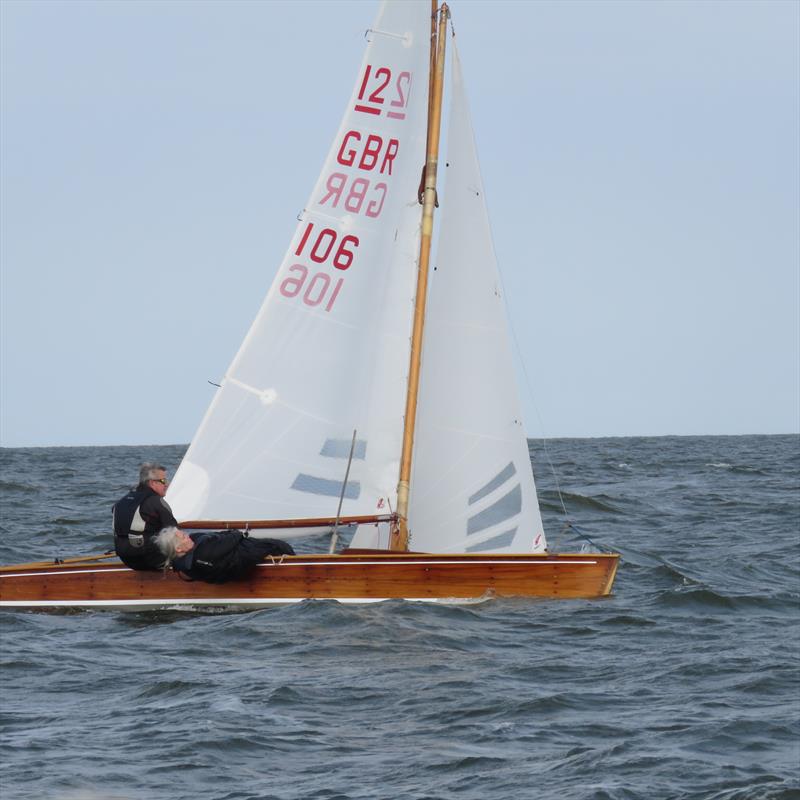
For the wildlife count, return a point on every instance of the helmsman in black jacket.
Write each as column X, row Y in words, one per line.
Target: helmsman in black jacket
column 139, row 516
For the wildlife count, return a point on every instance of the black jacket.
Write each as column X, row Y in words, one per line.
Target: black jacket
column 138, row 516
column 142, row 511
column 226, row 556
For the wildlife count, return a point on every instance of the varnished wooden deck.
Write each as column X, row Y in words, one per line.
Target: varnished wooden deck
column 349, row 577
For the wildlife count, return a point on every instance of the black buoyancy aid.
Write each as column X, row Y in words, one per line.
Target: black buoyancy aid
column 127, row 517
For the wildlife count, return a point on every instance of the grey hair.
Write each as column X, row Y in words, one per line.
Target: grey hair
column 149, row 471
column 167, row 542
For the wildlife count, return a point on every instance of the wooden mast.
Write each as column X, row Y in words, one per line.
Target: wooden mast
column 399, row 533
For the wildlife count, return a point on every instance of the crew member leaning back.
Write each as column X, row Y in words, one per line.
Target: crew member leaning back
column 139, row 516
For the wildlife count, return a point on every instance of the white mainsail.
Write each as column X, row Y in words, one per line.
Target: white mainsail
column 328, row 351
column 472, row 487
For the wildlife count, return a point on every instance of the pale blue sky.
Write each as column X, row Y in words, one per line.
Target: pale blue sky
column 640, row 162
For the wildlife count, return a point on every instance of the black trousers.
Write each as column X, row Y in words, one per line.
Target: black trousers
column 259, row 548
column 145, row 557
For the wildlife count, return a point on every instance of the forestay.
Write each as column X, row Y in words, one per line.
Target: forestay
column 472, row 486
column 328, row 351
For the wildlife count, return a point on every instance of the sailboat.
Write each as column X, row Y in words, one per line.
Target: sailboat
column 372, row 395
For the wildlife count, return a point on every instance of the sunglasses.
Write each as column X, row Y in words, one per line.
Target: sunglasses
column 162, row 481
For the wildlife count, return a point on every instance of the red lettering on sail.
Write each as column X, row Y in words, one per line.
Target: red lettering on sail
column 358, row 192
column 401, row 101
column 372, row 93
column 317, row 287
column 364, row 84
column 335, row 183
column 391, row 151
column 334, row 294
column 347, row 158
column 344, row 257
column 323, row 244
column 317, row 290
column 382, row 76
column 369, row 157
column 366, row 155
column 374, row 207
column 378, row 83
column 291, row 286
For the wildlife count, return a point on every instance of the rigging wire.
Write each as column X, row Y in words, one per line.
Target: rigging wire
column 510, row 319
column 569, row 525
column 335, row 531
column 529, row 387
column 533, row 401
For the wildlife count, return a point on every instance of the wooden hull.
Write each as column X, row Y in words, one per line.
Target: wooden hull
column 357, row 577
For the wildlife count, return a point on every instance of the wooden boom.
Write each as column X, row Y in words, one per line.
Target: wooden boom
column 252, row 524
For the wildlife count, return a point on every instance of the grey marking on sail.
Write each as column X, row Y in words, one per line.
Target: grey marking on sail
column 505, row 508
column 340, row 448
column 329, row 488
column 501, row 540
column 498, row 480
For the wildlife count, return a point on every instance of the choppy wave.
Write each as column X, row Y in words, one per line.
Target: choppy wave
column 680, row 685
column 10, row 488
column 577, row 501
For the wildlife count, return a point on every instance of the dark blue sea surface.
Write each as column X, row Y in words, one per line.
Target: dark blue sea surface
column 685, row 683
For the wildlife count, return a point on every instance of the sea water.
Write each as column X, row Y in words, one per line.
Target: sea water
column 683, row 684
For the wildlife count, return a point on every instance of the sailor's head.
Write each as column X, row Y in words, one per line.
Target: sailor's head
column 153, row 476
column 173, row 542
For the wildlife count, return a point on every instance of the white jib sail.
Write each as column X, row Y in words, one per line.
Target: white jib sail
column 472, row 487
column 328, row 351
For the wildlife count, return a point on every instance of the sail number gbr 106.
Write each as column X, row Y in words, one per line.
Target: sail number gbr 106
column 322, row 246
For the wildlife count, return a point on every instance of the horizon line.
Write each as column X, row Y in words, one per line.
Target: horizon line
column 529, row 438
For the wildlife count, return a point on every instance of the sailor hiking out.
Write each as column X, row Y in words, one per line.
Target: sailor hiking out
column 216, row 557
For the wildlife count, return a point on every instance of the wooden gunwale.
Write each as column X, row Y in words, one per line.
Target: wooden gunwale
column 356, row 577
